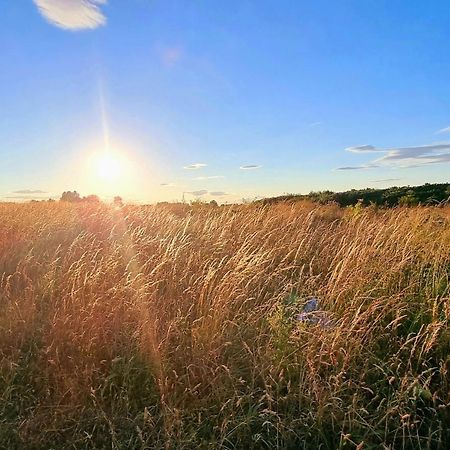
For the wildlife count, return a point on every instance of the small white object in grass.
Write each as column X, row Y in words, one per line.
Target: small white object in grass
column 312, row 315
column 312, row 304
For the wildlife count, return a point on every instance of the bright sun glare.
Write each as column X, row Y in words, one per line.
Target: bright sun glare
column 111, row 172
column 108, row 167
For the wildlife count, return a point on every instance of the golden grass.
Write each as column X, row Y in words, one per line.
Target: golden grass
column 174, row 327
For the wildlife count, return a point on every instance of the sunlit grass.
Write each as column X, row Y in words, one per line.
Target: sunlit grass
column 167, row 327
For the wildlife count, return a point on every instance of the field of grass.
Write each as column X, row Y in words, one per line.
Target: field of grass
column 174, row 327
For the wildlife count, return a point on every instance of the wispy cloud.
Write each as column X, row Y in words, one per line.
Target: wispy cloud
column 197, row 193
column 29, row 191
column 403, row 157
column 357, row 167
column 362, row 149
column 211, row 177
column 26, row 197
column 443, row 130
column 315, row 124
column 218, row 194
column 195, row 166
column 411, row 156
column 167, row 185
column 250, row 167
column 385, row 180
column 72, row 14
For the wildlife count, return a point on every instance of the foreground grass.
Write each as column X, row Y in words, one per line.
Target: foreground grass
column 174, row 328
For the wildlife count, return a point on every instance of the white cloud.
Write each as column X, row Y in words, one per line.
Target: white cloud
column 167, row 185
column 72, row 14
column 250, row 167
column 443, row 130
column 362, row 149
column 218, row 194
column 403, row 157
column 194, row 166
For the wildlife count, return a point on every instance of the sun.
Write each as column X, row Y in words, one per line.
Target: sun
column 108, row 167
column 111, row 172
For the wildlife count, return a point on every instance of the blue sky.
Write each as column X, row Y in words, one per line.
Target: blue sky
column 222, row 100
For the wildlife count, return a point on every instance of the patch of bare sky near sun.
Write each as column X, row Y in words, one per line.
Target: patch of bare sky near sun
column 211, row 177
column 73, row 14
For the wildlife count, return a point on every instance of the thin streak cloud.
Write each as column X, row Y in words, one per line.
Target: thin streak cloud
column 26, row 197
column 197, row 193
column 30, row 191
column 385, row 180
column 72, row 14
column 361, row 167
column 250, row 167
column 195, row 166
column 362, row 149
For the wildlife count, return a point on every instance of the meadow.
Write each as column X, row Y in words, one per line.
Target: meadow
column 176, row 327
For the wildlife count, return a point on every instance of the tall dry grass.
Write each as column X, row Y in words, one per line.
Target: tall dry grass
column 174, row 327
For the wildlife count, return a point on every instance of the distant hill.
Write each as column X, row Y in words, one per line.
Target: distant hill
column 427, row 194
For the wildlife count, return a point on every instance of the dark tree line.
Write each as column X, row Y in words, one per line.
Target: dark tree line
column 427, row 194
column 74, row 197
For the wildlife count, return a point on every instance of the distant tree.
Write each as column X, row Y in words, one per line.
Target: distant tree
column 91, row 199
column 118, row 201
column 70, row 196
column 324, row 196
column 407, row 200
column 213, row 203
